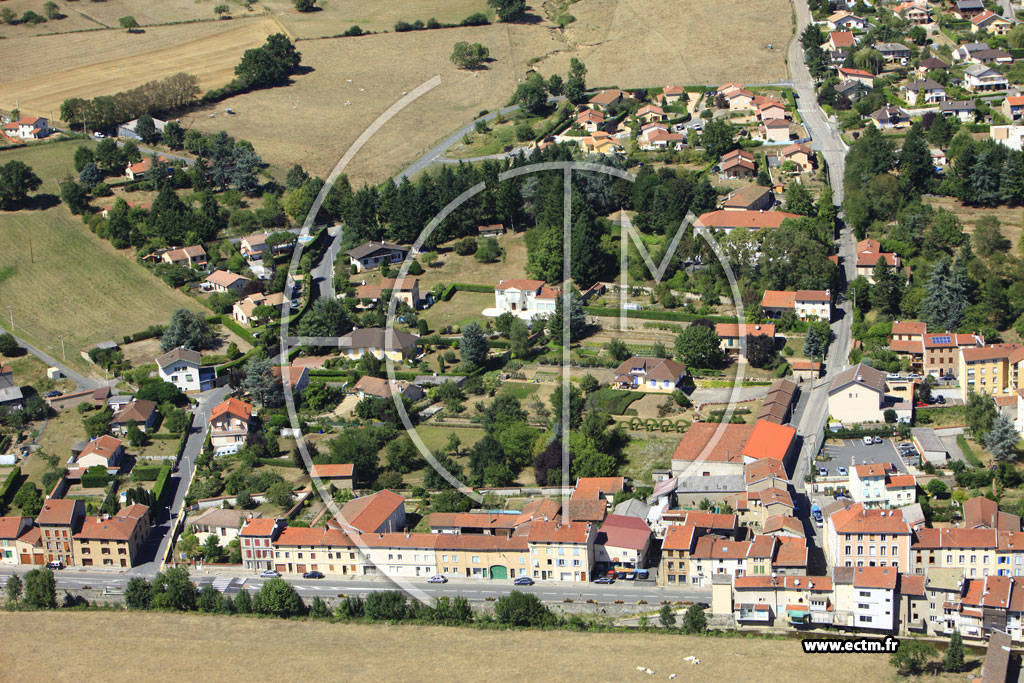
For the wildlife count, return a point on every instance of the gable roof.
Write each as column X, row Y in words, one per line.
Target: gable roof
column 104, row 446
column 624, row 532
column 865, row 375
column 60, row 511
column 367, row 248
column 732, row 330
column 857, row 520
column 378, row 338
column 333, row 471
column 875, row 577
column 679, row 537
column 137, row 411
column 752, row 220
column 654, row 368
column 367, row 513
column 769, row 440
column 179, row 354
column 224, row 278
column 232, row 407
column 726, row 441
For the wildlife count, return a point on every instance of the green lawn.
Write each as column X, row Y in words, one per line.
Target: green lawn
column 462, row 309
column 520, row 391
column 60, row 279
column 647, row 452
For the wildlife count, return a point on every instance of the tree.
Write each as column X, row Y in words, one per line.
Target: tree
column 508, row 10
column 912, row 655
column 869, row 59
column 188, row 329
column 402, row 453
column 699, row 347
column 980, row 414
column 576, row 85
column 667, row 616
column 13, row 587
column 260, row 383
column 278, row 598
column 136, row 437
column 40, row 589
column 718, row 138
column 519, row 338
column 915, row 163
column 172, row 589
column 576, row 405
column 269, row 64
column 954, row 658
column 138, row 594
column 210, row 599
column 522, row 609
column 1001, row 439
column 221, row 10
column 305, row 5
column 28, row 500
column 83, row 156
column 17, row 179
column 937, row 488
column 9, row 345
column 799, row 200
column 469, row 56
column 473, row 346
column 488, row 251
column 577, row 319
column 816, row 343
column 555, row 85
column 760, row 350
column 694, row 620
column 618, row 350
column 52, row 11
column 532, row 94
column 326, row 318
column 90, row 176
column 589, row 383
column 145, row 128
column 887, row 290
column 128, row 23
column 296, row 177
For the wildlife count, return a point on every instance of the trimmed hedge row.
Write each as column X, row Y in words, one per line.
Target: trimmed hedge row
column 148, row 333
column 146, row 473
column 859, row 433
column 161, row 484
column 450, row 290
column 277, row 462
column 245, row 334
column 660, row 315
column 7, row 491
column 164, row 437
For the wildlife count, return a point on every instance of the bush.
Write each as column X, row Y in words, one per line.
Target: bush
column 161, row 484
column 522, row 609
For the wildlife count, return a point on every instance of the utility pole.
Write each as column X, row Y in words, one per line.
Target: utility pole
column 11, row 311
column 61, row 337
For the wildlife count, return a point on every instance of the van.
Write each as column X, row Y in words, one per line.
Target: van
column 867, row 441
column 230, row 449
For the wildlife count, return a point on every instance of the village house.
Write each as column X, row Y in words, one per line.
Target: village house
column 880, row 486
column 590, row 120
column 865, row 597
column 140, row 169
column 255, row 247
column 651, row 112
column 523, row 298
column 193, row 257
column 607, row 99
column 851, row 90
column 807, row 304
column 378, row 513
column 406, row 290
column 127, row 130
column 800, row 154
column 778, row 404
column 622, row 542
column 924, row 91
column 27, row 128
column 749, row 198
column 104, row 451
column 730, row 334
column 670, row 94
column 890, row 116
column 58, row 522
column 295, row 377
column 1008, row 136
column 370, row 255
column 562, row 551
column 230, row 424
column 806, row 369
column 916, row 14
column 865, row 78
column 379, row 387
column 330, row 551
column 380, row 342
column 650, row 374
column 869, row 253
column 19, row 542
column 492, row 230
column 981, row 78
column 893, row 52
column 990, row 22
column 142, row 412
column 739, row 163
column 734, row 446
column 859, row 537
column 184, row 369
column 858, row 395
column 727, row 221
column 112, row 540
column 661, row 139
column 981, row 53
column 1013, row 107
column 226, row 281
column 845, row 21
column 965, row 110
column 271, row 305
column 929, row 64
column 774, row 130
column 991, row 369
column 771, row 110
column 224, row 524
column 11, row 395
column 968, row 9
column 256, row 542
column 840, row 40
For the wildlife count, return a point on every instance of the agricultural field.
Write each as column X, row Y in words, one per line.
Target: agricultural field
column 336, row 17
column 65, row 280
column 220, row 648
column 969, row 216
column 97, row 16
column 53, row 68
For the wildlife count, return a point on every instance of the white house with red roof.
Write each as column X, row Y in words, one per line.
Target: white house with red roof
column 727, row 221
column 230, row 422
column 27, row 128
column 815, row 304
column 523, row 298
column 622, row 542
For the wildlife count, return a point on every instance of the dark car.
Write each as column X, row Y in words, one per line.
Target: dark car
column 523, row 581
column 56, row 564
column 940, row 400
column 931, row 400
column 313, row 575
column 52, row 394
column 605, row 579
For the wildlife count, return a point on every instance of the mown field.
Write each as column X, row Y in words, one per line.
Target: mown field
column 177, row 647
column 90, row 16
column 336, row 17
column 44, row 71
column 65, row 280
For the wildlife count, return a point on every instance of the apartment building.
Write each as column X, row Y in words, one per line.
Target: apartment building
column 562, row 551
column 59, row 521
column 297, row 550
column 257, row 542
column 112, row 540
column 974, row 551
column 991, row 369
column 861, row 537
column 866, row 598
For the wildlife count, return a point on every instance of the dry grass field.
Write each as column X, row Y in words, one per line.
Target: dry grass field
column 53, row 68
column 336, row 16
column 177, row 647
column 1010, row 217
column 65, row 280
column 83, row 16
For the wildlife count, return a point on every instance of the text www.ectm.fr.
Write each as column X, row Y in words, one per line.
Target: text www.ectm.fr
column 828, row 646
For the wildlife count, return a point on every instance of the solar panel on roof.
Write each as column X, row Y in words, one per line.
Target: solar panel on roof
column 942, row 340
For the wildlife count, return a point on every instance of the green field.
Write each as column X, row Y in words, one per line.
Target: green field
column 60, row 279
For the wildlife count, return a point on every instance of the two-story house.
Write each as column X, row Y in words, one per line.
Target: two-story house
column 807, row 304
column 27, row 128
column 562, row 551
column 257, row 542
column 184, row 369
column 645, row 373
column 981, row 78
column 230, row 424
column 58, row 522
column 523, row 298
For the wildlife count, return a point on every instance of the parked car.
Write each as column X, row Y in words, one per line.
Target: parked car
column 56, row 564
column 314, row 574
column 52, row 394
column 822, row 472
column 437, row 578
column 642, row 574
column 941, row 400
column 523, row 581
column 269, row 574
column 931, row 400
column 877, row 439
column 605, row 579
column 867, row 441
column 819, row 522
column 892, row 375
column 842, row 471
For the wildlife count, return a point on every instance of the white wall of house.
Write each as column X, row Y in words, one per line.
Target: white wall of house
column 182, row 374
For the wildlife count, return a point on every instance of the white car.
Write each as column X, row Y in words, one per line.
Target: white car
column 868, row 441
column 269, row 574
column 437, row 578
column 99, row 136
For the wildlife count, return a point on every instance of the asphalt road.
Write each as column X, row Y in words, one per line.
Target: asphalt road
column 81, row 380
column 323, row 272
column 476, row 590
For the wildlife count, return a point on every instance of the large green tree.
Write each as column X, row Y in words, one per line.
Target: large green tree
column 260, row 383
column 508, row 10
column 278, row 598
column 189, row 329
column 270, row 64
column 17, row 179
column 473, row 345
column 699, row 347
column 40, row 589
column 327, row 317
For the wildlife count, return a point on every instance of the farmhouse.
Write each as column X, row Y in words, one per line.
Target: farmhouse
column 139, row 169
column 805, row 303
column 380, row 342
column 406, row 290
column 650, row 374
column 378, row 387
column 226, row 281
column 370, row 255
column 750, row 198
column 738, row 163
column 27, row 128
column 379, row 513
column 183, row 368
column 493, row 230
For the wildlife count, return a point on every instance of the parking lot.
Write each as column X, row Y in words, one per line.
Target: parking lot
column 856, row 452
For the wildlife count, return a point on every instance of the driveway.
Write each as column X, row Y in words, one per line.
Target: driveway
column 702, row 395
column 855, row 452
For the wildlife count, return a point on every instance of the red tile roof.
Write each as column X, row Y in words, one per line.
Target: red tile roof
column 621, row 531
column 842, row 39
column 857, row 520
column 912, row 584
column 11, row 527
column 602, row 485
column 909, row 327
column 955, row 538
column 792, row 552
column 872, row 470
column 59, row 511
column 778, row 299
column 875, row 577
column 260, row 526
column 558, row 532
column 718, row 548
column 732, row 330
column 333, row 471
column 769, row 440
column 232, row 407
column 723, row 442
column 119, row 527
column 752, row 220
column 368, row 513
column 679, row 537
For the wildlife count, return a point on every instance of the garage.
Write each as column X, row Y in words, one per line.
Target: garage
column 498, row 572
column 929, row 445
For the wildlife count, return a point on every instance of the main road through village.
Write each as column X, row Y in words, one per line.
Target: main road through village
column 810, row 417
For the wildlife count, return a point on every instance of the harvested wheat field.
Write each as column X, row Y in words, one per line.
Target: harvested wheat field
column 53, row 68
column 682, row 43
column 310, row 123
column 82, row 16
column 177, row 647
